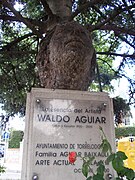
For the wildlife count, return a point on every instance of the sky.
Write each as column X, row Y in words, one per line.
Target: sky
column 16, row 122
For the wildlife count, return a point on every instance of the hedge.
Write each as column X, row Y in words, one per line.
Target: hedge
column 15, row 139
column 124, row 132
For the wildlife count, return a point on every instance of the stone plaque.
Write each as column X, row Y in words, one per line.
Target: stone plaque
column 62, row 121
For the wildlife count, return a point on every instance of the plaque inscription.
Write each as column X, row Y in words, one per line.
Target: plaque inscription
column 61, row 124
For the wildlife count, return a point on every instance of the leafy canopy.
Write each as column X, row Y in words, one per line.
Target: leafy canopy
column 23, row 23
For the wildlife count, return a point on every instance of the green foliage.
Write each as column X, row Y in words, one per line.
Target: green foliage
column 121, row 109
column 86, row 165
column 104, row 41
column 15, row 139
column 120, row 104
column 17, row 64
column 124, row 132
column 17, row 76
column 2, row 169
column 116, row 159
column 105, row 146
column 19, row 44
column 118, row 165
column 33, row 9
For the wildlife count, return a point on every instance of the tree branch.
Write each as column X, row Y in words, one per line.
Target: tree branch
column 118, row 30
column 14, row 18
column 99, row 79
column 115, row 28
column 116, row 54
column 83, row 7
column 115, row 13
column 20, row 17
column 110, row 66
column 130, row 13
column 15, row 77
column 9, row 45
column 126, row 41
column 98, row 11
column 41, row 25
column 8, row 53
column 46, row 8
column 10, row 18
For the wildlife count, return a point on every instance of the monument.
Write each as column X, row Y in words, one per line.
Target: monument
column 62, row 121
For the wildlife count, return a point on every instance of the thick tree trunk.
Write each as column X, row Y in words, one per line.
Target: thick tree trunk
column 66, row 59
column 61, row 8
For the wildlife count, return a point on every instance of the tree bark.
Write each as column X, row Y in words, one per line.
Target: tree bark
column 61, row 8
column 67, row 59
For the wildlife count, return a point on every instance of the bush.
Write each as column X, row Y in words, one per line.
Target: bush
column 124, row 132
column 15, row 139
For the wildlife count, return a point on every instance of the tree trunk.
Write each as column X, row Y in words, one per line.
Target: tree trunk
column 66, row 59
column 61, row 8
